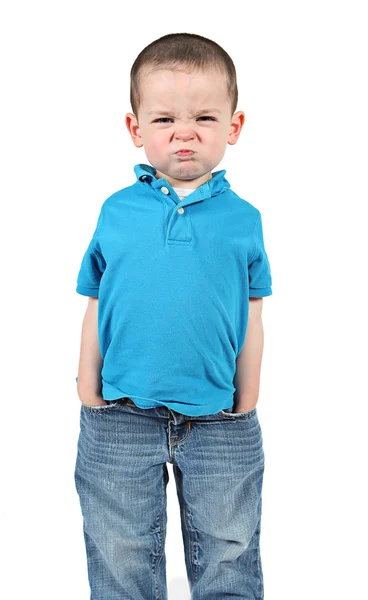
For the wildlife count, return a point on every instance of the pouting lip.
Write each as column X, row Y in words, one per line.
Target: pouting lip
column 184, row 150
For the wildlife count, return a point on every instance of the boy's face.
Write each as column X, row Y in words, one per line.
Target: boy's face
column 183, row 97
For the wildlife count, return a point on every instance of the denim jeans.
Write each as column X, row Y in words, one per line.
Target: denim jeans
column 121, row 477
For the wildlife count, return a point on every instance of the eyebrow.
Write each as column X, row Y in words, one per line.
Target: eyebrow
column 167, row 113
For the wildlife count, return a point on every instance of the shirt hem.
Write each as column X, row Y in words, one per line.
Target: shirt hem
column 87, row 291
column 260, row 292
column 202, row 409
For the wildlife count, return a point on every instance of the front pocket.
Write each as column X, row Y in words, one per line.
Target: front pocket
column 238, row 415
column 99, row 408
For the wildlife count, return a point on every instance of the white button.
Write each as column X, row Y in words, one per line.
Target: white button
column 164, row 190
column 180, row 210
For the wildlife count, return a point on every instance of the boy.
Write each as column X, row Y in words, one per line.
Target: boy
column 175, row 274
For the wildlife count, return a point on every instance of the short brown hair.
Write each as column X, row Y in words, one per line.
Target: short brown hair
column 182, row 51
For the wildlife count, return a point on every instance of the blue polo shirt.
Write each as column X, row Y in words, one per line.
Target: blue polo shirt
column 173, row 277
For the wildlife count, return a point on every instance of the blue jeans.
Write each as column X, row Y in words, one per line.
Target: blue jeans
column 121, row 477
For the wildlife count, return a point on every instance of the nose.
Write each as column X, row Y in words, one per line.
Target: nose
column 184, row 135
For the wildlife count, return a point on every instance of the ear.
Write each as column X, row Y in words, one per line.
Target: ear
column 131, row 123
column 236, row 125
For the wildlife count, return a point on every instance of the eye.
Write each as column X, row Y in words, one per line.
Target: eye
column 170, row 119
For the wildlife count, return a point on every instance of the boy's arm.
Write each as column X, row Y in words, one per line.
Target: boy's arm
column 90, row 360
column 248, row 362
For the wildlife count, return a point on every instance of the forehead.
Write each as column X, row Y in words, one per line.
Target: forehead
column 164, row 89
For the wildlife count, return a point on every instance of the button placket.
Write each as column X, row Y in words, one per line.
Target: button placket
column 166, row 191
column 182, row 229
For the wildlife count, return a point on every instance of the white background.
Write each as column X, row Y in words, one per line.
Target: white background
column 301, row 160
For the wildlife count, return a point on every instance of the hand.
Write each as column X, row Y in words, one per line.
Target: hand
column 94, row 401
column 244, row 408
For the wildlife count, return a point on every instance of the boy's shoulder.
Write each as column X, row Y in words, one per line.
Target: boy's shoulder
column 244, row 207
column 119, row 200
column 120, row 194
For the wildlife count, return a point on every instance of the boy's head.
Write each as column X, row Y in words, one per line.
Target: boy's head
column 183, row 93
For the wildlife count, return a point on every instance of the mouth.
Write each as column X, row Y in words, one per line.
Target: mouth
column 184, row 153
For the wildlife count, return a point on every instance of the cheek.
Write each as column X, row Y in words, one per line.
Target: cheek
column 212, row 136
column 219, row 140
column 216, row 145
column 157, row 142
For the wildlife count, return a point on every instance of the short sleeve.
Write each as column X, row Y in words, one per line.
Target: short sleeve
column 259, row 271
column 92, row 266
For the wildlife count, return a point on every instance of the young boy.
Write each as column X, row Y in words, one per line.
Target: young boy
column 175, row 274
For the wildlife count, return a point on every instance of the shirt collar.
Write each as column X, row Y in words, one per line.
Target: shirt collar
column 217, row 184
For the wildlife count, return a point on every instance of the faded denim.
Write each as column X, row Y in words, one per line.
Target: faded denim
column 121, row 477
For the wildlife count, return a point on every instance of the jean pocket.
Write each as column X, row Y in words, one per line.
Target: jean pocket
column 101, row 408
column 228, row 414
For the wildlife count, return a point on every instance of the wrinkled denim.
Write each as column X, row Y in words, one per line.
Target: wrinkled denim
column 121, row 477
